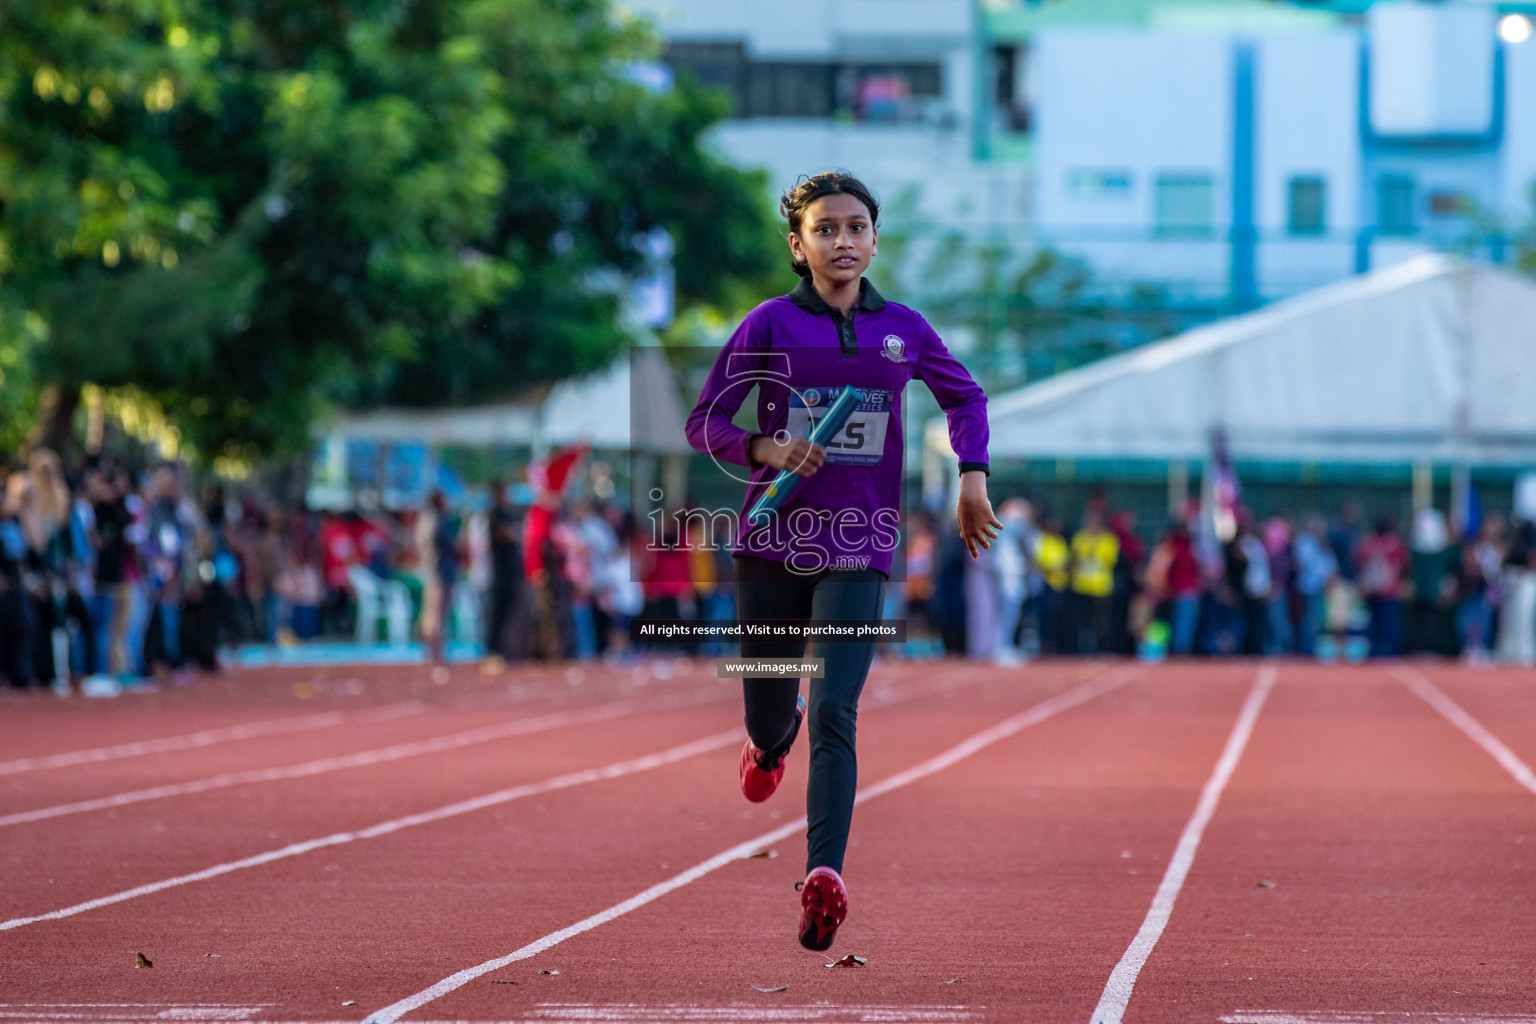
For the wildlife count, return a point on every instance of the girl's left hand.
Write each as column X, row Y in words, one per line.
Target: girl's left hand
column 974, row 513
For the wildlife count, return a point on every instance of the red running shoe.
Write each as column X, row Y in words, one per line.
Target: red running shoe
column 761, row 770
column 823, row 906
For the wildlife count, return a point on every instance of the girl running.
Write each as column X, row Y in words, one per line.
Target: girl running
column 826, row 553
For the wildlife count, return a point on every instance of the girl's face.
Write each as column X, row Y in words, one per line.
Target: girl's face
column 836, row 238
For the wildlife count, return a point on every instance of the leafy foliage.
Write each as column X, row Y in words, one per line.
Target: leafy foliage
column 252, row 208
column 20, row 334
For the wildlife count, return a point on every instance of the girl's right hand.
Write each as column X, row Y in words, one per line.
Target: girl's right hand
column 799, row 456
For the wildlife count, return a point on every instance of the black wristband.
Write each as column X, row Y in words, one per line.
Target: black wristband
column 975, row 467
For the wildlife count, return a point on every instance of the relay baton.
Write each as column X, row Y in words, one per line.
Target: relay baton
column 783, row 485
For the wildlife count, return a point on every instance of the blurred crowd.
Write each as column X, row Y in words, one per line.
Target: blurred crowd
column 112, row 580
column 1332, row 588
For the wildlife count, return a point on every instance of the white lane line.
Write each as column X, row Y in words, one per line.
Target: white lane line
column 183, row 1013
column 210, row 737
column 1117, row 993
column 546, row 1014
column 612, row 771
column 1008, row 727
column 479, row 803
column 1370, row 1017
column 757, row 1013
column 134, row 1012
column 270, row 727
column 364, row 758
column 1432, row 695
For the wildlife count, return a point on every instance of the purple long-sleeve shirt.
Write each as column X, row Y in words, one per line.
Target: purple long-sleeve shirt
column 800, row 353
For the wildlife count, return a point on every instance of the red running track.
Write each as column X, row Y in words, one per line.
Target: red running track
column 1062, row 842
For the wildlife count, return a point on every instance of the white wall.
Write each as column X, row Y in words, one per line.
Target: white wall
column 1141, row 102
column 923, row 18
column 960, row 86
column 798, row 28
column 1431, row 68
column 935, row 159
column 1307, row 125
column 1144, row 102
column 1518, row 171
column 812, row 28
column 954, row 189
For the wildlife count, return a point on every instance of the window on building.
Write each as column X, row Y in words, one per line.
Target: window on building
column 919, row 79
column 789, row 89
column 888, row 92
column 1184, row 205
column 1394, row 200
column 1005, row 59
column 1449, row 203
column 758, row 88
column 1009, row 103
column 813, row 89
column 1097, row 183
column 722, row 65
column 1308, row 206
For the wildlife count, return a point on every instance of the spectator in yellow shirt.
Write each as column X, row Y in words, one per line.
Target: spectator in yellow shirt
column 1054, row 560
column 1094, row 553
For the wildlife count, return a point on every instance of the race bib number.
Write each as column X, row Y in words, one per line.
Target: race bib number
column 861, row 442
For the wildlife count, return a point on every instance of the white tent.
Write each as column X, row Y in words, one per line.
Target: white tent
column 595, row 409
column 633, row 405
column 1430, row 361
column 511, row 423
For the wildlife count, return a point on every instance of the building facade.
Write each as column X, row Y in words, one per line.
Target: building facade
column 1220, row 153
column 887, row 89
column 1246, row 165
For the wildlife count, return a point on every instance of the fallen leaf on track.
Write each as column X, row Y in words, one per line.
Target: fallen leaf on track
column 555, row 971
column 502, row 981
column 214, row 955
column 1264, row 883
column 777, row 988
column 850, row 961
column 140, row 960
column 350, row 1002
column 954, row 981
column 763, row 855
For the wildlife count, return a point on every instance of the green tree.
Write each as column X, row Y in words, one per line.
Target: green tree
column 20, row 334
column 594, row 162
column 251, row 208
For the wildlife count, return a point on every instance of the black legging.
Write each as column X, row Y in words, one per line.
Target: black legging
column 768, row 590
column 18, row 632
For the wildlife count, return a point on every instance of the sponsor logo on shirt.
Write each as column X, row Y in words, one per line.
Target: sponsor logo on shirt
column 894, row 349
column 812, row 397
